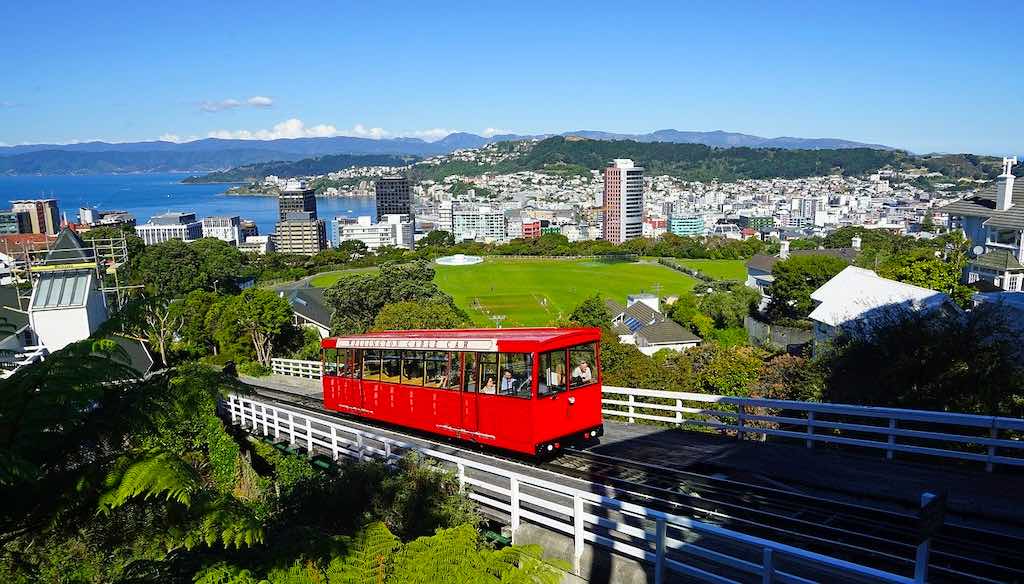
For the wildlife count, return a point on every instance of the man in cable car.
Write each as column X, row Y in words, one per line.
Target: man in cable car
column 508, row 382
column 582, row 374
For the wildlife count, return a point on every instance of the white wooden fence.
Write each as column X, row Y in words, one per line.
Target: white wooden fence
column 988, row 439
column 670, row 543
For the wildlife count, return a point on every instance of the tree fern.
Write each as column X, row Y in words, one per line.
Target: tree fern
column 368, row 560
column 156, row 474
column 224, row 573
column 225, row 521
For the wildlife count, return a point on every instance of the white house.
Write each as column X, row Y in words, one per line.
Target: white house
column 641, row 323
column 856, row 300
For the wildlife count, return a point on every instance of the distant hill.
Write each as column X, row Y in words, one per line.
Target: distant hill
column 305, row 167
column 218, row 154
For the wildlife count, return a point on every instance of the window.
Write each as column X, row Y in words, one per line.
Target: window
column 435, row 369
column 583, row 360
column 330, row 359
column 470, row 376
column 412, row 367
column 454, row 377
column 516, row 370
column 488, row 363
column 1003, row 236
column 356, row 361
column 343, row 363
column 371, row 364
column 551, row 372
column 391, row 367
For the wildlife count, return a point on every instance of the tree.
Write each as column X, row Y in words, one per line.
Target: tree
column 263, row 316
column 940, row 269
column 192, row 310
column 357, row 300
column 437, row 238
column 220, row 263
column 791, row 377
column 592, row 312
column 434, row 313
column 171, row 269
column 728, row 308
column 795, row 279
column 162, row 323
column 724, row 370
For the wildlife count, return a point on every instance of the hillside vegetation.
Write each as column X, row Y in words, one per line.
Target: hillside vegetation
column 304, row 167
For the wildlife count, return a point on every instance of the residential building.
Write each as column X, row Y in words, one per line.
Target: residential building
column 13, row 222
column 309, row 309
column 686, row 225
column 393, row 196
column 394, row 231
column 478, row 224
column 993, row 220
column 167, row 226
column 760, row 266
column 227, row 229
column 531, row 229
column 116, row 219
column 623, row 201
column 88, row 215
column 295, row 197
column 641, row 323
column 44, row 214
column 259, row 244
column 856, row 301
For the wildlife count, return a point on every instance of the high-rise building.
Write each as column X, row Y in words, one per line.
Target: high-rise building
column 44, row 215
column 224, row 228
column 394, row 231
column 249, row 228
column 296, row 197
column 301, row 234
column 479, row 224
column 169, row 226
column 623, row 201
column 393, row 196
column 13, row 222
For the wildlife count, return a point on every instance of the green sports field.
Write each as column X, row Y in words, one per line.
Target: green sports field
column 538, row 292
column 719, row 269
column 327, row 279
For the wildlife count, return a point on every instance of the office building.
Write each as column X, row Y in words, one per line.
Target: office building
column 301, row 234
column 44, row 215
column 88, row 215
column 623, row 201
column 686, row 225
column 249, row 228
column 224, row 228
column 394, row 231
column 295, row 197
column 12, row 223
column 393, row 196
column 258, row 244
column 167, row 226
column 531, row 229
column 479, row 224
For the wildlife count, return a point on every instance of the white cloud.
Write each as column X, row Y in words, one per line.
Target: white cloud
column 295, row 128
column 431, row 135
column 260, row 101
column 169, row 138
column 494, row 132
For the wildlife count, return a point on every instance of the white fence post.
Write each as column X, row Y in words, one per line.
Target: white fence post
column 632, row 420
column 277, row 426
column 740, row 421
column 661, row 534
column 993, row 433
column 679, row 412
column 462, row 477
column 513, row 489
column 810, row 430
column 309, row 437
column 768, row 566
column 334, row 443
column 892, row 439
column 578, row 526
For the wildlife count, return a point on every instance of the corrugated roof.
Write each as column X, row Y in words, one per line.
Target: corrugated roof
column 856, row 294
column 997, row 259
column 61, row 290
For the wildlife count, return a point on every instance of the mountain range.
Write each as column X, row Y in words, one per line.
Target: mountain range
column 212, row 154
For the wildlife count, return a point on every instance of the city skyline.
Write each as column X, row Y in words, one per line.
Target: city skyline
column 905, row 76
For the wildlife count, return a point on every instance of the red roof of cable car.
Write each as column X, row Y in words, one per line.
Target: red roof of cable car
column 507, row 339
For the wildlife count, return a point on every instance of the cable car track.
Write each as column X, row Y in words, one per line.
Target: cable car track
column 867, row 535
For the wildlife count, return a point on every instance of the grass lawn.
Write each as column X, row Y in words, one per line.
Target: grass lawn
column 719, row 269
column 538, row 292
column 327, row 279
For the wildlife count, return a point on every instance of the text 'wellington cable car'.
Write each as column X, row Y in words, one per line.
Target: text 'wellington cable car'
column 530, row 390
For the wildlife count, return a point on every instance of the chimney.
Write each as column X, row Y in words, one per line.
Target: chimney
column 1004, row 185
column 855, row 242
column 783, row 249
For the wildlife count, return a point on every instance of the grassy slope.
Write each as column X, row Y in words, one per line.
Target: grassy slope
column 517, row 289
column 719, row 269
column 327, row 279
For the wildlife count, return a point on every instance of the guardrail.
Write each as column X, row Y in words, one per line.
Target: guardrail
column 890, row 430
column 297, row 368
column 671, row 543
column 987, row 439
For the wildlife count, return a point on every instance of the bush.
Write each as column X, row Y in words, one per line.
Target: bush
column 254, row 369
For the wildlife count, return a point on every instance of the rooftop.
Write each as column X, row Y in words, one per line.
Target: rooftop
column 856, row 294
column 983, row 204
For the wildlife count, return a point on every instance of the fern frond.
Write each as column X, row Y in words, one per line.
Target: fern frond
column 158, row 474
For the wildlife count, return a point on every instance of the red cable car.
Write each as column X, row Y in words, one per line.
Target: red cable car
column 530, row 390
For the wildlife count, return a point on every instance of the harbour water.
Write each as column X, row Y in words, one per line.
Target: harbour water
column 145, row 195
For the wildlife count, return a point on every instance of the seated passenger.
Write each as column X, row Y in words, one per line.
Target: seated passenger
column 508, row 383
column 489, row 387
column 582, row 374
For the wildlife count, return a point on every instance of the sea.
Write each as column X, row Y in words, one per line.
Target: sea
column 145, row 195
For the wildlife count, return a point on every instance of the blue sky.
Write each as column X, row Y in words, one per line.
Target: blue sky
column 935, row 76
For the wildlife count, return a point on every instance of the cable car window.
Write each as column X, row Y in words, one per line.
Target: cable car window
column 515, row 374
column 356, row 359
column 583, row 360
column 435, row 369
column 412, row 367
column 470, row 377
column 330, row 358
column 551, row 372
column 391, row 367
column 371, row 365
column 454, row 377
column 488, row 373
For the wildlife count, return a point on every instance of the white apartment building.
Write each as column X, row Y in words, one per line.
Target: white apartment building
column 259, row 244
column 227, row 229
column 169, row 226
column 395, row 230
column 623, row 201
column 479, row 224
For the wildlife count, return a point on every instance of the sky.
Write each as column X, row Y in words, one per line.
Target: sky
column 924, row 76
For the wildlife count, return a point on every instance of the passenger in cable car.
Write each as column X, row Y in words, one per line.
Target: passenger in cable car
column 582, row 373
column 489, row 387
column 508, row 382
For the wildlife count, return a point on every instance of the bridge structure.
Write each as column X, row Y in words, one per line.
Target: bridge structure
column 766, row 491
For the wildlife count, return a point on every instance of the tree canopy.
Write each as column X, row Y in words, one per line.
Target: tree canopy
column 795, row 279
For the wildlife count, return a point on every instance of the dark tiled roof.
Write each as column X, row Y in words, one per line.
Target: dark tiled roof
column 666, row 332
column 983, row 204
column 69, row 249
column 613, row 307
column 621, row 329
column 11, row 321
column 309, row 303
column 135, row 350
column 766, row 263
column 9, row 297
column 642, row 312
column 997, row 259
column 762, row 262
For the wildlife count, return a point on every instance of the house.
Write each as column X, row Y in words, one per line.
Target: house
column 857, row 300
column 760, row 266
column 310, row 309
column 993, row 220
column 641, row 323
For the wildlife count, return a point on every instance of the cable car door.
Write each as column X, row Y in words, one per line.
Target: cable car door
column 470, row 379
